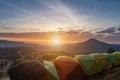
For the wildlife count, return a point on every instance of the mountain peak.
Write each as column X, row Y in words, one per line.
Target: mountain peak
column 93, row 41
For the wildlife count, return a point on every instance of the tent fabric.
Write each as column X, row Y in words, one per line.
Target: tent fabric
column 15, row 63
column 103, row 60
column 111, row 57
column 90, row 64
column 68, row 68
column 118, row 57
column 51, row 71
column 27, row 71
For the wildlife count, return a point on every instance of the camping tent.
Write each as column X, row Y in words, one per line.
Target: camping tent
column 118, row 57
column 51, row 71
column 68, row 68
column 32, row 70
column 90, row 64
column 103, row 60
column 112, row 58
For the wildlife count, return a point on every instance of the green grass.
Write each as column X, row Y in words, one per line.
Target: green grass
column 110, row 74
column 3, row 74
column 113, row 74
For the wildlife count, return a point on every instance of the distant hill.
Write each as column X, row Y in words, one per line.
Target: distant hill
column 94, row 46
column 88, row 46
column 3, row 43
column 93, row 42
column 50, row 52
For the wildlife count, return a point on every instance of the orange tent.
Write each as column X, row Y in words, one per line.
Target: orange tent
column 68, row 68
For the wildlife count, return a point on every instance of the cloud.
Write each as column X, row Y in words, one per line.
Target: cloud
column 34, row 29
column 18, row 8
column 110, row 35
column 4, row 27
column 113, row 39
column 71, row 36
column 57, row 7
column 48, row 16
column 118, row 29
column 58, row 15
column 65, row 36
column 108, row 30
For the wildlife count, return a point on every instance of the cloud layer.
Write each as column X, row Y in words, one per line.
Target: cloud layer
column 49, row 15
column 110, row 35
column 70, row 20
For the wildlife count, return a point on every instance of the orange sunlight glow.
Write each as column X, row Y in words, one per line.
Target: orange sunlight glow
column 56, row 41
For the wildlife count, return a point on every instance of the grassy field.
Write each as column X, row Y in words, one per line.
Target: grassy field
column 3, row 76
column 111, row 74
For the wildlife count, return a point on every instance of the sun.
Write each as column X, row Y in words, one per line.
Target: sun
column 56, row 41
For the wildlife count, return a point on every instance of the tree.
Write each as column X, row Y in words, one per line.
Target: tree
column 110, row 50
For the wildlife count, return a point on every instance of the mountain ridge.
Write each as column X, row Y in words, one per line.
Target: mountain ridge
column 91, row 41
column 8, row 43
column 94, row 46
column 88, row 46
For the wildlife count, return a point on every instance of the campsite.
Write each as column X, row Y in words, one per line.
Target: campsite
column 26, row 62
column 62, row 66
column 59, row 39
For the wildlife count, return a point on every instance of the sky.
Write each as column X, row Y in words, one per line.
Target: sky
column 67, row 20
